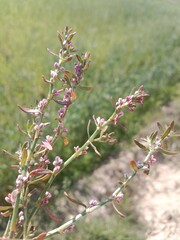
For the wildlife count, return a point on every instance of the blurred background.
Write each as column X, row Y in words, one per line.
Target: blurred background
column 132, row 43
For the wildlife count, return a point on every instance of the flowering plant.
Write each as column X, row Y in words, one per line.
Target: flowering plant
column 34, row 166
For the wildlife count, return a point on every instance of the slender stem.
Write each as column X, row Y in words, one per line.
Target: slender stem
column 14, row 216
column 62, row 228
column 67, row 162
column 7, row 228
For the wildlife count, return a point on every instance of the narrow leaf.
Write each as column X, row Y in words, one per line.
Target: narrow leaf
column 140, row 145
column 69, row 74
column 95, row 149
column 51, row 215
column 160, row 127
column 88, row 126
column 79, row 58
column 29, row 110
column 40, row 171
column 40, row 180
column 87, row 88
column 11, row 155
column 165, row 134
column 167, row 152
column 74, row 200
column 24, row 157
column 153, row 136
column 103, row 130
column 175, row 135
column 6, row 214
column 5, row 208
column 115, row 208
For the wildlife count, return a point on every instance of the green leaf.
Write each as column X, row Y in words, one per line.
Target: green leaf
column 167, row 131
column 24, row 157
column 153, row 136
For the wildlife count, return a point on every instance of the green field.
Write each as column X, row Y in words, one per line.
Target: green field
column 132, row 43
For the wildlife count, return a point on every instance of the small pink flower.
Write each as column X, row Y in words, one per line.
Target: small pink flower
column 119, row 197
column 100, row 121
column 93, row 203
column 55, row 93
column 56, row 65
column 57, row 164
column 46, row 198
column 76, row 148
column 54, row 74
column 69, row 229
column 42, row 104
column 152, row 160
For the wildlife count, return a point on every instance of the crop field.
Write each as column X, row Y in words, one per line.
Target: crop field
column 132, row 43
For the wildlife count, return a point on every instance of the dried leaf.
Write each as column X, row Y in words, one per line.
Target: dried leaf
column 71, row 36
column 79, row 58
column 140, row 145
column 133, row 165
column 40, row 171
column 11, row 155
column 103, row 130
column 29, row 110
column 74, row 200
column 40, row 180
column 95, row 149
column 87, row 88
column 41, row 236
column 115, row 208
column 51, row 215
column 69, row 74
column 88, row 126
column 65, row 141
column 73, row 95
column 5, row 208
column 175, row 135
column 6, row 214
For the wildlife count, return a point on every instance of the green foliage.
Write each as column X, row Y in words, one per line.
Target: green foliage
column 131, row 42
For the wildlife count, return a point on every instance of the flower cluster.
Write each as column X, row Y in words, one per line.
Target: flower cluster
column 129, row 103
column 57, row 164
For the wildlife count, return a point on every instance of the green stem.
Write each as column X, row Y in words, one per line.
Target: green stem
column 62, row 228
column 7, row 228
column 14, row 216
